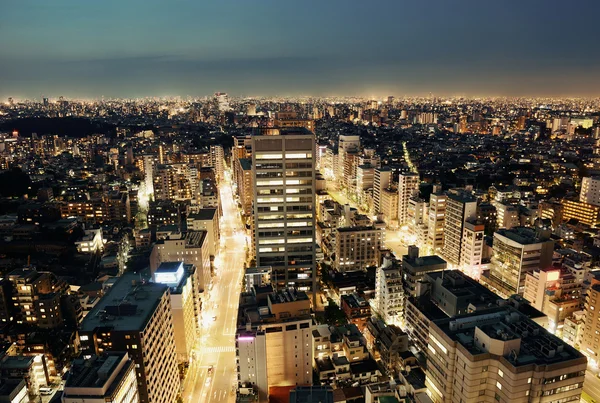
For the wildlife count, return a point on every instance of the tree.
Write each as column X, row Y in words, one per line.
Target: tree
column 334, row 316
column 14, row 183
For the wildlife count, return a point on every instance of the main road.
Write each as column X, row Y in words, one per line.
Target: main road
column 212, row 373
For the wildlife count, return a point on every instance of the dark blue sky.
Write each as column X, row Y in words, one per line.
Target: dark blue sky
column 130, row 48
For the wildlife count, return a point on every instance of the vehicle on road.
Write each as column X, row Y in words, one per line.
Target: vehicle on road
column 210, row 369
column 214, row 318
column 208, row 380
column 46, row 391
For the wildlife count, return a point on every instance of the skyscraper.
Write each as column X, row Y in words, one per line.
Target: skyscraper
column 284, row 205
column 381, row 180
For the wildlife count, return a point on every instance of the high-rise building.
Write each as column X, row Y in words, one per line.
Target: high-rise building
column 217, row 156
column 585, row 213
column 500, row 355
column 507, row 216
column 389, row 292
column 135, row 316
column 284, row 206
column 436, row 221
column 415, row 267
column 274, row 346
column 382, row 179
column 109, row 377
column 408, row 186
column 460, row 207
column 417, row 219
column 472, row 248
column 185, row 304
column 516, row 252
column 389, row 206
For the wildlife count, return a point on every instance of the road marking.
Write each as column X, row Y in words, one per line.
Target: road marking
column 220, row 349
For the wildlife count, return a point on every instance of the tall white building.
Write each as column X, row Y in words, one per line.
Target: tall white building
column 436, row 221
column 460, row 207
column 284, row 206
column 417, row 220
column 389, row 293
column 217, row 157
column 590, row 190
column 408, row 186
column 222, row 101
column 382, row 179
column 472, row 248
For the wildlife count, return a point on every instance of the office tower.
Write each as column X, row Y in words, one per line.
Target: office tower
column 185, row 304
column 472, row 248
column 284, row 206
column 274, row 345
column 135, row 316
column 590, row 190
column 109, row 377
column 555, row 292
column 408, row 186
column 436, row 221
column 516, row 252
column 251, row 109
column 356, row 248
column 191, row 247
column 460, row 207
column 500, row 355
column 389, row 292
column 382, row 179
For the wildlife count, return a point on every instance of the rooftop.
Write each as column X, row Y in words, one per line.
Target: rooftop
column 204, row 214
column 537, row 346
column 127, row 306
column 90, row 377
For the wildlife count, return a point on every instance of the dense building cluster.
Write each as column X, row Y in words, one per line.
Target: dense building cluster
column 395, row 250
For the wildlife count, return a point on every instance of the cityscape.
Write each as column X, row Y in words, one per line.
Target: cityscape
column 396, row 203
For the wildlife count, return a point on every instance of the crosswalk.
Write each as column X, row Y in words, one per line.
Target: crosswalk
column 221, row 349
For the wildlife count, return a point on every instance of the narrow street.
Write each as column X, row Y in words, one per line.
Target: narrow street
column 216, row 347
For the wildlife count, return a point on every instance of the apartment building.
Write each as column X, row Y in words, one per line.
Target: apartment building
column 109, row 377
column 500, row 355
column 136, row 317
column 356, row 247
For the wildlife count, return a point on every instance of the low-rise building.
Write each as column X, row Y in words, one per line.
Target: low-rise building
column 106, row 378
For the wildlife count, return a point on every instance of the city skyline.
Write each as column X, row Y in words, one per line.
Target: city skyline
column 334, row 49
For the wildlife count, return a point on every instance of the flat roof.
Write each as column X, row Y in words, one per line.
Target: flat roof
column 537, row 345
column 127, row 306
column 204, row 214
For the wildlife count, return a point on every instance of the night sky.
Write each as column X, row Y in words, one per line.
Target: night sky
column 132, row 48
